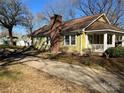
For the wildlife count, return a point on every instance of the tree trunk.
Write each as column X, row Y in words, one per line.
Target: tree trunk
column 11, row 36
column 32, row 39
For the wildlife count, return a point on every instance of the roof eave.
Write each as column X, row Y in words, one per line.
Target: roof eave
column 105, row 30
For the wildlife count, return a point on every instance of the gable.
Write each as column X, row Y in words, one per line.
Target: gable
column 100, row 23
column 102, row 18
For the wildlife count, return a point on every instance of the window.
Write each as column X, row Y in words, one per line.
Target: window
column 69, row 40
column 101, row 39
column 73, row 40
column 90, row 38
column 109, row 37
column 118, row 38
column 95, row 39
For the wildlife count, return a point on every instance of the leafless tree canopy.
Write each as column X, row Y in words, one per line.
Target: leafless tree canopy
column 114, row 9
column 63, row 8
column 69, row 9
column 12, row 13
column 3, row 33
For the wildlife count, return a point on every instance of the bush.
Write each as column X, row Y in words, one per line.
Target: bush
column 115, row 52
column 87, row 62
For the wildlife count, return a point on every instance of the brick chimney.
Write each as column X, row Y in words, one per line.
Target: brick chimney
column 56, row 23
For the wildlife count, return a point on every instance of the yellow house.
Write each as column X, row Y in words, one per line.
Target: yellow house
column 90, row 32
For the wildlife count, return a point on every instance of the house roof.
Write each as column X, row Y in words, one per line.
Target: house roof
column 101, row 25
column 76, row 25
column 42, row 31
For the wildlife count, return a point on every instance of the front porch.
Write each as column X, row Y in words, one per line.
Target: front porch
column 99, row 42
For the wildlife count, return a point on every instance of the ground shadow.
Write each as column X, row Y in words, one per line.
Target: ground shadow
column 13, row 57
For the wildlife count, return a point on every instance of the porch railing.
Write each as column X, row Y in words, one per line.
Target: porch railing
column 109, row 45
column 98, row 46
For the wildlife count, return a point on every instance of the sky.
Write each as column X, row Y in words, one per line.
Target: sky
column 35, row 7
column 38, row 6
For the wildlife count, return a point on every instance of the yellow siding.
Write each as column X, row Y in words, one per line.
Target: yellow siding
column 83, row 41
column 75, row 48
column 71, row 48
column 78, row 48
column 41, row 44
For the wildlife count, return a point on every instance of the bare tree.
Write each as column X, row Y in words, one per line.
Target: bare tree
column 3, row 32
column 12, row 13
column 65, row 9
column 114, row 9
column 40, row 19
column 34, row 22
column 30, row 25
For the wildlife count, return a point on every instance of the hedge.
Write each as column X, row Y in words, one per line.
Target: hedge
column 115, row 52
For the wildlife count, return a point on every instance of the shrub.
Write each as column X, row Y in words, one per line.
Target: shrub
column 87, row 61
column 115, row 52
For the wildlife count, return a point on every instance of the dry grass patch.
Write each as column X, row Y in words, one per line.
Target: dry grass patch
column 24, row 79
column 92, row 61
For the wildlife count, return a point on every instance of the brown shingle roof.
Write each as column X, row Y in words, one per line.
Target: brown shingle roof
column 100, row 25
column 77, row 25
column 68, row 26
column 42, row 31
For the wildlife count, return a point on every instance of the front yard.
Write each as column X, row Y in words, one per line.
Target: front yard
column 92, row 72
column 23, row 79
column 111, row 64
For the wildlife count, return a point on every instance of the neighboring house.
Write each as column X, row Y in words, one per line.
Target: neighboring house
column 18, row 41
column 24, row 41
column 91, row 32
column 1, row 42
column 5, row 40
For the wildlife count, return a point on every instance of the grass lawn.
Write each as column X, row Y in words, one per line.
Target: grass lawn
column 23, row 79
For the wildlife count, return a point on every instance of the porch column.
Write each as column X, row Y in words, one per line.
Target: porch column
column 105, row 41
column 123, row 41
column 113, row 40
column 87, row 41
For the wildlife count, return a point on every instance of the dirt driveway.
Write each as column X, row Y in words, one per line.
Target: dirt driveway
column 100, row 80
